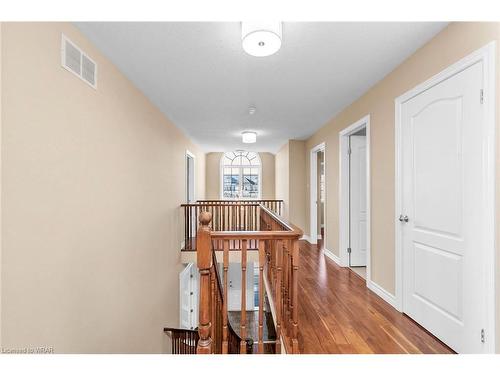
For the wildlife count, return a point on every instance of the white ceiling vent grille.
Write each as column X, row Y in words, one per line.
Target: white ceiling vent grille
column 77, row 62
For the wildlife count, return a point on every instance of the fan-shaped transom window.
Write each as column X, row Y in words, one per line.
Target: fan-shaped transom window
column 241, row 175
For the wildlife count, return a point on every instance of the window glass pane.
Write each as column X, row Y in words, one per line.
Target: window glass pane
column 250, row 183
column 231, row 183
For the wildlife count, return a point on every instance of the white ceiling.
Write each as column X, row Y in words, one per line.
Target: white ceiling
column 202, row 80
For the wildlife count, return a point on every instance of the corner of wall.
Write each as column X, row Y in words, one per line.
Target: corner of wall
column 297, row 183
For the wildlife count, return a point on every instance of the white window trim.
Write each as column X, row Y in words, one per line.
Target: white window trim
column 221, row 177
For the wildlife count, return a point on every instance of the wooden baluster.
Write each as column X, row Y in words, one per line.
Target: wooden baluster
column 214, row 217
column 262, row 260
column 195, row 210
column 295, row 289
column 225, row 286
column 219, row 217
column 213, row 309
column 278, row 302
column 204, row 261
column 286, row 247
column 273, row 264
column 243, row 322
column 185, row 227
column 233, row 218
column 224, row 217
column 188, row 245
column 245, row 216
column 239, row 218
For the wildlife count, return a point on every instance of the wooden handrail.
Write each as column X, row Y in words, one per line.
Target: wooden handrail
column 277, row 243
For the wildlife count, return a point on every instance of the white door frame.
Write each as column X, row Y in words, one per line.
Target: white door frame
column 344, row 193
column 486, row 55
column 191, row 155
column 313, row 235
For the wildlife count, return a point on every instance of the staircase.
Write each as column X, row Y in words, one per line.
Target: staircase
column 253, row 226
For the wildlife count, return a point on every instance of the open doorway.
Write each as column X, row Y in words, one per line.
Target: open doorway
column 321, row 198
column 355, row 197
column 190, row 187
column 318, row 195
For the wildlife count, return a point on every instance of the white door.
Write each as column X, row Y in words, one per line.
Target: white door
column 442, row 199
column 357, row 201
column 188, row 284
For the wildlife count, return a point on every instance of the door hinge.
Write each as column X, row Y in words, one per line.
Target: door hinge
column 483, row 336
column 349, row 151
column 481, row 96
column 349, row 250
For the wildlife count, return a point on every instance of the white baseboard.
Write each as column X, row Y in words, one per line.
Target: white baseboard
column 305, row 237
column 382, row 293
column 332, row 256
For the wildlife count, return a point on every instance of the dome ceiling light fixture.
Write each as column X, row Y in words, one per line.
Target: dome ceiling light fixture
column 261, row 38
column 249, row 137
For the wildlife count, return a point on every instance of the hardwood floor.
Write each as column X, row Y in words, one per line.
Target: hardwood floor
column 338, row 314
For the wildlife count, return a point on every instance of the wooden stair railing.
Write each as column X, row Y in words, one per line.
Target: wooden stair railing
column 217, row 336
column 275, row 205
column 184, row 341
column 227, row 215
column 277, row 243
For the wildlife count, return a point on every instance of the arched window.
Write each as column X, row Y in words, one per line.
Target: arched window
column 241, row 175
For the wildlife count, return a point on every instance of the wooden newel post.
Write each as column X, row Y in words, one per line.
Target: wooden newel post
column 204, row 259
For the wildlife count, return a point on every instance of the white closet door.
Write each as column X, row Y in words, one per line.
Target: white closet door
column 357, row 200
column 443, row 195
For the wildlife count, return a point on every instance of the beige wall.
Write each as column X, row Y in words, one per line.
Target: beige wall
column 213, row 175
column 297, row 209
column 452, row 44
column 268, row 175
column 91, row 186
column 282, row 162
column 291, row 181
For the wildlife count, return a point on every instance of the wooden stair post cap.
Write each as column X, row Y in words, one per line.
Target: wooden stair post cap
column 205, row 218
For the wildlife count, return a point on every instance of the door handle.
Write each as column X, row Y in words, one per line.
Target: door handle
column 403, row 218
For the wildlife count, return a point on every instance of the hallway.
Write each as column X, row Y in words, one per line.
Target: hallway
column 338, row 314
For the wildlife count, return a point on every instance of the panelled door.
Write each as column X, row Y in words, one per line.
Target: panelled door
column 357, row 200
column 443, row 210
